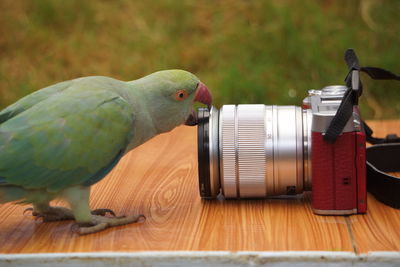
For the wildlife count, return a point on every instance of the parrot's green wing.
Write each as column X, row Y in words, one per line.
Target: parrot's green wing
column 32, row 99
column 74, row 137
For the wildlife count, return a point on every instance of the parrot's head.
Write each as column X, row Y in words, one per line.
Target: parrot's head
column 173, row 93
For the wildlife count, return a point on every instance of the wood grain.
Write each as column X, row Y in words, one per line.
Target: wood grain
column 269, row 225
column 159, row 179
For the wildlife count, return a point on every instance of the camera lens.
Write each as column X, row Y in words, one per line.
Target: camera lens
column 253, row 151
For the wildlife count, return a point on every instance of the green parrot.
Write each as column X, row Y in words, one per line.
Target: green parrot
column 62, row 139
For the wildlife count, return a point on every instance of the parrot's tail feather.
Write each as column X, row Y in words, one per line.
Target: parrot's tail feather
column 10, row 193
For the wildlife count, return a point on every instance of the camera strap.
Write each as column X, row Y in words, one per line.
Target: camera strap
column 383, row 157
column 384, row 154
column 353, row 92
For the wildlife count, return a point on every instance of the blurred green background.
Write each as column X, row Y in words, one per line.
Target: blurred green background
column 268, row 52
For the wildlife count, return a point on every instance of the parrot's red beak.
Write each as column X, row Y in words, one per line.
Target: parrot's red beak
column 203, row 96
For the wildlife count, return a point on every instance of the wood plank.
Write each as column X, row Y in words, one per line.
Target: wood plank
column 269, row 225
column 379, row 228
column 159, row 179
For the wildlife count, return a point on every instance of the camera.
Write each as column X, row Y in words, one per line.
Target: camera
column 261, row 151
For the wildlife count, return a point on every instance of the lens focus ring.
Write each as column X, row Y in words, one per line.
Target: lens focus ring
column 251, row 150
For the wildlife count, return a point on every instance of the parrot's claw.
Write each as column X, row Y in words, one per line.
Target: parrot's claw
column 103, row 212
column 52, row 214
column 100, row 223
column 27, row 209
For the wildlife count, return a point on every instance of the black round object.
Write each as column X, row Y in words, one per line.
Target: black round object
column 203, row 115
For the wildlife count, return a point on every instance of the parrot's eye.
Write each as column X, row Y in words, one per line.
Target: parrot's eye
column 181, row 95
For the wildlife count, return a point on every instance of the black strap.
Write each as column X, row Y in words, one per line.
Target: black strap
column 385, row 187
column 350, row 98
column 380, row 74
column 353, row 92
column 382, row 157
column 390, row 138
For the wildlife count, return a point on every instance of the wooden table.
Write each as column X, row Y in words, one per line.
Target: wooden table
column 159, row 179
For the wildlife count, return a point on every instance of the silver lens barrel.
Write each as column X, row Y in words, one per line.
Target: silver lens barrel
column 262, row 151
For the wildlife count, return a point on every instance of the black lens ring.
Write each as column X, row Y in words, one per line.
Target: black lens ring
column 203, row 115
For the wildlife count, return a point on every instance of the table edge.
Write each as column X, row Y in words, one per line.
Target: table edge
column 200, row 258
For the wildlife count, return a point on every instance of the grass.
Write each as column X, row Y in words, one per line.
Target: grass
column 268, row 52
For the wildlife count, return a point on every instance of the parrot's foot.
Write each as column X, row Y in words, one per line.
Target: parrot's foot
column 100, row 223
column 51, row 214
